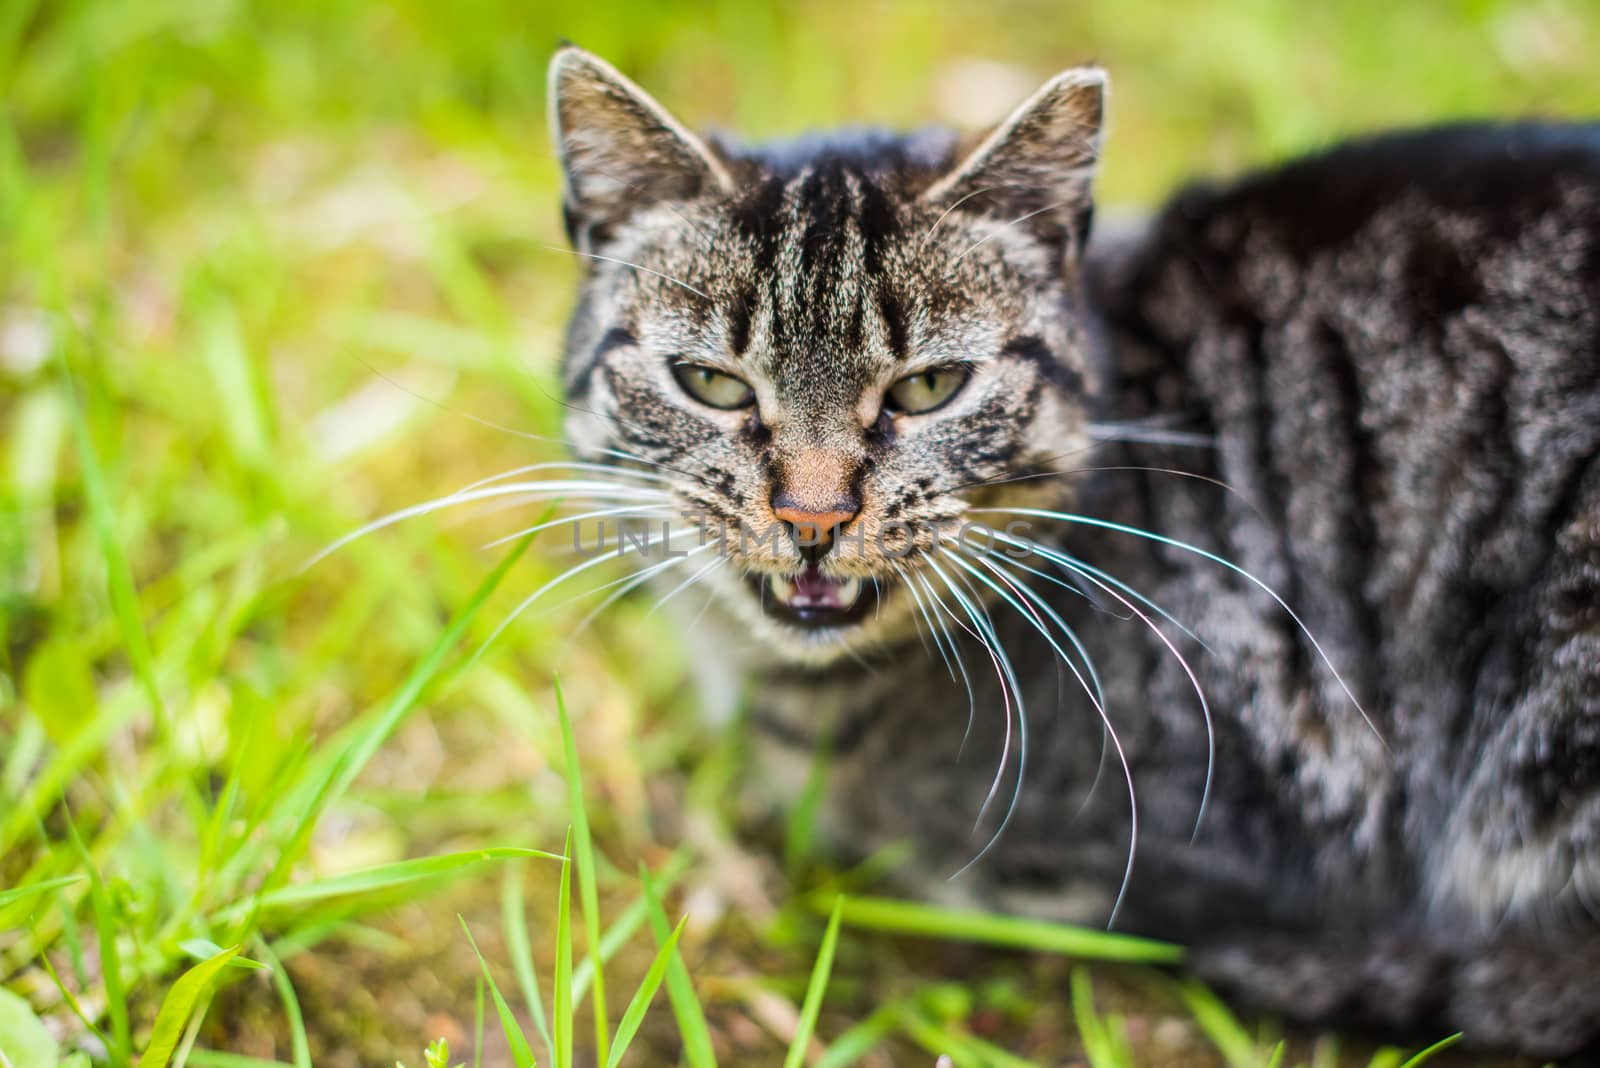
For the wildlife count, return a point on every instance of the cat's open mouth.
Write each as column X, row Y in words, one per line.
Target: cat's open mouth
column 813, row 599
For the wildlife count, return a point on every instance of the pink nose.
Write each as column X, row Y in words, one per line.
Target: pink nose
column 811, row 526
column 826, row 520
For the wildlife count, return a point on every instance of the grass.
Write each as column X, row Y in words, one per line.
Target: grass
column 268, row 270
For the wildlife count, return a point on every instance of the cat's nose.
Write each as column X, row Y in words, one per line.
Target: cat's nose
column 813, row 524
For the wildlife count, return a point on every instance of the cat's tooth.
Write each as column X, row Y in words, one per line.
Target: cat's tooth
column 782, row 589
column 849, row 590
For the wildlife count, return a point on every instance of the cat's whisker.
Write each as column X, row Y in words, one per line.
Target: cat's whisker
column 631, row 512
column 624, row 454
column 621, row 454
column 629, row 583
column 651, row 541
column 946, row 214
column 991, row 235
column 1012, row 561
column 1000, row 667
column 979, row 618
column 690, row 581
column 989, row 560
column 942, row 611
column 1070, row 586
column 1150, row 435
column 916, row 599
column 647, row 195
column 533, row 491
column 572, row 465
column 937, row 627
column 1106, row 524
column 1205, row 707
column 1096, row 698
column 1069, row 472
column 626, row 263
column 1077, row 566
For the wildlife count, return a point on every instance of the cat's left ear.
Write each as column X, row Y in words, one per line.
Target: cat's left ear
column 620, row 150
column 1036, row 168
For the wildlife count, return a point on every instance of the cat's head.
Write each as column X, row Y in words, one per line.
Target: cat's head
column 832, row 349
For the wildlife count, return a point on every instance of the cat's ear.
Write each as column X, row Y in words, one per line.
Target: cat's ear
column 620, row 150
column 1036, row 168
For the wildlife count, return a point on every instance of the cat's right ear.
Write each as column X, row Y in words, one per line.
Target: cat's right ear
column 620, row 151
column 1035, row 169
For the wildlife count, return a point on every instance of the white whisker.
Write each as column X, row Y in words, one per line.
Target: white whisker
column 630, row 511
column 635, row 266
column 1106, row 524
column 946, row 214
column 991, row 641
column 1006, row 226
column 690, row 581
column 1099, row 705
column 1150, row 435
column 937, row 626
column 629, row 583
column 538, row 490
column 650, row 542
column 575, row 465
column 1194, row 681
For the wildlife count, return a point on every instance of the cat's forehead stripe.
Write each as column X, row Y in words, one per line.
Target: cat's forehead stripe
column 819, row 245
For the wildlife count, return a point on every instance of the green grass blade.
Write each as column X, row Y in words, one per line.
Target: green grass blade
column 625, row 926
column 216, row 1058
column 521, row 1052
column 513, row 919
column 119, row 575
column 341, row 771
column 477, row 1023
column 71, row 1001
column 812, row 1006
column 588, row 894
column 1428, row 1054
column 178, row 1006
column 932, row 921
column 1098, row 1044
column 299, row 1044
column 633, row 1015
column 691, row 1017
column 105, row 929
column 24, row 1039
column 383, row 877
column 860, row 1039
column 976, row 1051
column 22, row 893
column 562, row 1012
column 1219, row 1023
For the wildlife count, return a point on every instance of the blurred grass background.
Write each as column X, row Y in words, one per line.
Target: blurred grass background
column 261, row 267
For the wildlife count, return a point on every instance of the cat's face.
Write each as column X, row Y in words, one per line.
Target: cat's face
column 831, row 354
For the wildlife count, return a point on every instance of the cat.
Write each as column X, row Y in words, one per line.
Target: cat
column 1233, row 578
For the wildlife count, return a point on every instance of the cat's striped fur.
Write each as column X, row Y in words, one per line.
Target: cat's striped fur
column 1385, row 365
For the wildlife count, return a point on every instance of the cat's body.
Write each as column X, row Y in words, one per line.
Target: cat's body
column 1383, row 367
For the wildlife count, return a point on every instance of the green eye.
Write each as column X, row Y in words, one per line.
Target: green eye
column 713, row 387
column 925, row 390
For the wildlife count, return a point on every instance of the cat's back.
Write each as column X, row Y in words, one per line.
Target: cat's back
column 1503, row 175
column 1395, row 345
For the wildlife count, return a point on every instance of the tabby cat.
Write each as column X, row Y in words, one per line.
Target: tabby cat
column 1234, row 579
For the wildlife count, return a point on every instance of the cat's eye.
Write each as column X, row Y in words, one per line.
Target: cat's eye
column 713, row 387
column 925, row 390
